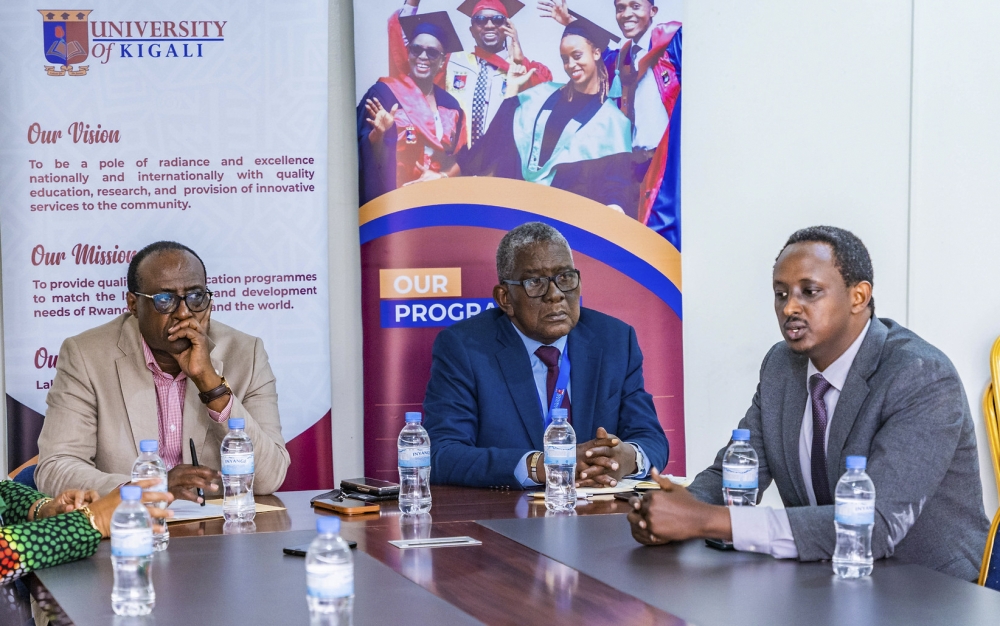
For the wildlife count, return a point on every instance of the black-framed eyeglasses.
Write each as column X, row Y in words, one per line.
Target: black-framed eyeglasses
column 433, row 54
column 482, row 20
column 197, row 301
column 538, row 286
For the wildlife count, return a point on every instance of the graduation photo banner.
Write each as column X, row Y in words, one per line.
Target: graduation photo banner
column 125, row 123
column 475, row 117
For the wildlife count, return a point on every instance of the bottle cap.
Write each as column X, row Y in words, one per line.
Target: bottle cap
column 857, row 462
column 741, row 434
column 149, row 445
column 560, row 414
column 236, row 423
column 413, row 416
column 131, row 492
column 327, row 525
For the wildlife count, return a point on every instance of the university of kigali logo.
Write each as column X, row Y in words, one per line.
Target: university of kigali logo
column 66, row 42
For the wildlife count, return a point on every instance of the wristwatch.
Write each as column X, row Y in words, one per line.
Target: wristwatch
column 218, row 392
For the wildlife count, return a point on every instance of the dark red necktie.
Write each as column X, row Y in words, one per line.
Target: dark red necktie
column 549, row 355
column 818, row 386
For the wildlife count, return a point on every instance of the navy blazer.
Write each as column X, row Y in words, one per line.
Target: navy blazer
column 482, row 411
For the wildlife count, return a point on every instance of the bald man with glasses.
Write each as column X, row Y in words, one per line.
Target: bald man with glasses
column 164, row 371
column 496, row 377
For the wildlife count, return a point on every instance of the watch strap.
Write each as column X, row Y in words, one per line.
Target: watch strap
column 212, row 394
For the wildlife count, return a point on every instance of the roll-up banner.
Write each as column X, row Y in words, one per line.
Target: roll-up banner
column 205, row 123
column 580, row 132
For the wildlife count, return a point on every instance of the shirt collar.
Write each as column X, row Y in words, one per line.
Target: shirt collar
column 836, row 373
column 531, row 345
column 153, row 365
column 643, row 42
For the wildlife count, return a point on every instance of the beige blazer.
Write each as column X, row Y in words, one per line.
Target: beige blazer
column 103, row 403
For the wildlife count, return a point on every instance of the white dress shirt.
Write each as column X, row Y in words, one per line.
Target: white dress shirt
column 650, row 116
column 763, row 529
column 540, row 372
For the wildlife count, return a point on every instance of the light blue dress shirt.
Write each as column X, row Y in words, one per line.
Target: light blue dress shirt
column 540, row 371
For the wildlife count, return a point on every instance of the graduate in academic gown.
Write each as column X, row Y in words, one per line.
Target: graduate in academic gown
column 646, row 85
column 570, row 136
column 409, row 129
column 477, row 79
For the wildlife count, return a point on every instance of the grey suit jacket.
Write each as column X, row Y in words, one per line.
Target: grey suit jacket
column 903, row 406
column 103, row 403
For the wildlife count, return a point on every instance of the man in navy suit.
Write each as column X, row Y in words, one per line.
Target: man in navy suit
column 496, row 376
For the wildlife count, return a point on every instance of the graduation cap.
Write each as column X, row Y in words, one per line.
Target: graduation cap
column 592, row 32
column 436, row 24
column 506, row 8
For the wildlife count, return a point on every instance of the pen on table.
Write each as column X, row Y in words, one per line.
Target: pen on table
column 194, row 461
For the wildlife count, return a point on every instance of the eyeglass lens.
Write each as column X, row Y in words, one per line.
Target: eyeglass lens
column 481, row 20
column 432, row 53
column 196, row 301
column 566, row 281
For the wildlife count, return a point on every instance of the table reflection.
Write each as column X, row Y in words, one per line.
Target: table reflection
column 417, row 564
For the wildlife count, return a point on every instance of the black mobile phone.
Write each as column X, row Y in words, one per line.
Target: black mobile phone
column 719, row 544
column 304, row 548
column 625, row 496
column 370, row 485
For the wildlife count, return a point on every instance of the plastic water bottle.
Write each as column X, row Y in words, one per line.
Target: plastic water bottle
column 132, row 555
column 237, row 473
column 150, row 465
column 560, row 463
column 854, row 519
column 329, row 575
column 414, row 450
column 739, row 471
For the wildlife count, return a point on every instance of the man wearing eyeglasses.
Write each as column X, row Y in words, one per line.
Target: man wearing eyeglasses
column 162, row 371
column 477, row 79
column 496, row 376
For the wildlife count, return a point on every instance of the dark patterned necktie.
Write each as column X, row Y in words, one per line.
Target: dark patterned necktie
column 479, row 102
column 818, row 386
column 549, row 355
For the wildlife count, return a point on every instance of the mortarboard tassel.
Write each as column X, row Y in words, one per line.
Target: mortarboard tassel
column 616, row 87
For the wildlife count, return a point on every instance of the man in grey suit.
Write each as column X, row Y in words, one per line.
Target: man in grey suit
column 890, row 396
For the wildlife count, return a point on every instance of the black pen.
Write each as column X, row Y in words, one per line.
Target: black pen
column 194, row 461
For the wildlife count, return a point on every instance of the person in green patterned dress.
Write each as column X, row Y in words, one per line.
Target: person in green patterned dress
column 38, row 531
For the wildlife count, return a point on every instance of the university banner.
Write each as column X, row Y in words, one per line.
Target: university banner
column 122, row 124
column 475, row 117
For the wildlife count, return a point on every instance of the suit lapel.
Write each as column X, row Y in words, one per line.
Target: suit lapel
column 516, row 368
column 585, row 359
column 136, row 385
column 853, row 397
column 793, row 410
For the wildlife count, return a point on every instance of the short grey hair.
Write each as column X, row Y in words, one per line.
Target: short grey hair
column 521, row 237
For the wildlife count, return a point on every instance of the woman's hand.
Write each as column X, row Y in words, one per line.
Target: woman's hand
column 557, row 10
column 378, row 118
column 517, row 78
column 104, row 508
column 65, row 502
column 426, row 174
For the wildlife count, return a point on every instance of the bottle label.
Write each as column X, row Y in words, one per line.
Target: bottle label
column 415, row 457
column 855, row 512
column 560, row 454
column 237, row 464
column 330, row 580
column 739, row 477
column 132, row 542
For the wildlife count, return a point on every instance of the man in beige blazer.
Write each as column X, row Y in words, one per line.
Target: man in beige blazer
column 163, row 371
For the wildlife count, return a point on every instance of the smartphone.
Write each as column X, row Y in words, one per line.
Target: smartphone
column 625, row 496
column 370, row 485
column 337, row 494
column 347, row 506
column 304, row 548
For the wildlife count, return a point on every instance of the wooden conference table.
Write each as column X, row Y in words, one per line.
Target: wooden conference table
column 531, row 568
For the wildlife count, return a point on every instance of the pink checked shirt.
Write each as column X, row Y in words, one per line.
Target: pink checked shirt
column 170, row 394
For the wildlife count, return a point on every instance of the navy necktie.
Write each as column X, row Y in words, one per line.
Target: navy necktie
column 818, row 386
column 549, row 355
